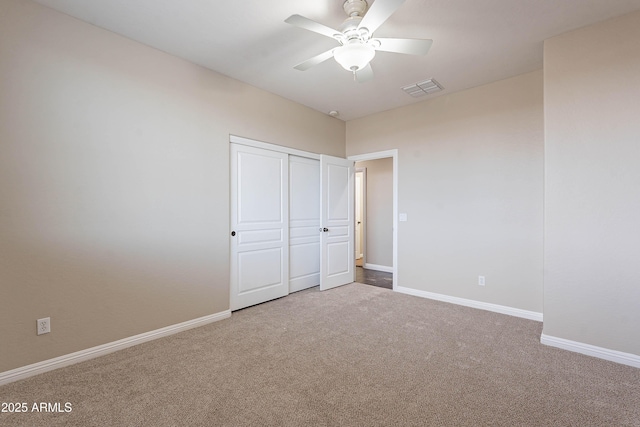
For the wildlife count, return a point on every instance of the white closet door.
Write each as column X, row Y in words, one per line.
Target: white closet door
column 337, row 264
column 259, row 224
column 304, row 222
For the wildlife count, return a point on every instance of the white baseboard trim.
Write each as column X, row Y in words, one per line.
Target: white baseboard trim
column 502, row 309
column 101, row 350
column 377, row 267
column 592, row 350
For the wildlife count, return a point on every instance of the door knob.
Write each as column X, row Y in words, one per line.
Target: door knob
column 325, row 229
column 233, row 233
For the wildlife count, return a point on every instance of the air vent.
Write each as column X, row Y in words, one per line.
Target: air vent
column 423, row 88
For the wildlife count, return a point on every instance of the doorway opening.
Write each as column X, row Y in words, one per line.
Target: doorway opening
column 376, row 215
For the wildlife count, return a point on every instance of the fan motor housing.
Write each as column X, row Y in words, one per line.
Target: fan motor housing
column 351, row 23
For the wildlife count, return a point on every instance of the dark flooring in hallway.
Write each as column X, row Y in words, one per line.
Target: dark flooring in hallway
column 374, row 278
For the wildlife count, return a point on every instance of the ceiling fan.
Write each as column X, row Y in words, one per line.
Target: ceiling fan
column 357, row 44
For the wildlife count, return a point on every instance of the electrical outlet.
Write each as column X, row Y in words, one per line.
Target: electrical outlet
column 480, row 280
column 44, row 325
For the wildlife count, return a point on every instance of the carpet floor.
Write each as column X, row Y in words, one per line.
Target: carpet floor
column 353, row 356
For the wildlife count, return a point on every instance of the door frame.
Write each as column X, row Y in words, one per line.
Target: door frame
column 273, row 147
column 393, row 153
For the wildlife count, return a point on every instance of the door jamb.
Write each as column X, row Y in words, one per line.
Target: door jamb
column 363, row 228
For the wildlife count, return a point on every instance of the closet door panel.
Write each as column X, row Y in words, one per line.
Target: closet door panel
column 259, row 225
column 304, row 223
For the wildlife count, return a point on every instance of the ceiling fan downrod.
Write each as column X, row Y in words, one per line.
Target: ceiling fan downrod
column 355, row 7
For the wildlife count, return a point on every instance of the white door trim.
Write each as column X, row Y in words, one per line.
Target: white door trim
column 383, row 155
column 273, row 147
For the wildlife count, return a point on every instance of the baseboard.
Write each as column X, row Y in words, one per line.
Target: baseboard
column 592, row 350
column 502, row 309
column 377, row 267
column 101, row 350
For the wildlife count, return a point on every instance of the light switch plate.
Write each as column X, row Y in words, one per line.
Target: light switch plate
column 402, row 217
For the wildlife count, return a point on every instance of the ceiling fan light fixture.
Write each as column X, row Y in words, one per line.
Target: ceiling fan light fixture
column 356, row 37
column 354, row 56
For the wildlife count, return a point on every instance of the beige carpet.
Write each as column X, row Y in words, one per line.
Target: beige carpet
column 353, row 356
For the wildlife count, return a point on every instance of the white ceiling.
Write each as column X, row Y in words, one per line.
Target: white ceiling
column 474, row 42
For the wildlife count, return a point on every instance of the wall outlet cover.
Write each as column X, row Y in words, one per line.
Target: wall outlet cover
column 44, row 325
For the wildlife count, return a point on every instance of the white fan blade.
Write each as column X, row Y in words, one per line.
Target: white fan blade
column 308, row 24
column 303, row 66
column 410, row 46
column 379, row 12
column 365, row 74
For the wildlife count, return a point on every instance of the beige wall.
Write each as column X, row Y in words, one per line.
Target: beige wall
column 592, row 181
column 470, row 180
column 114, row 182
column 379, row 213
